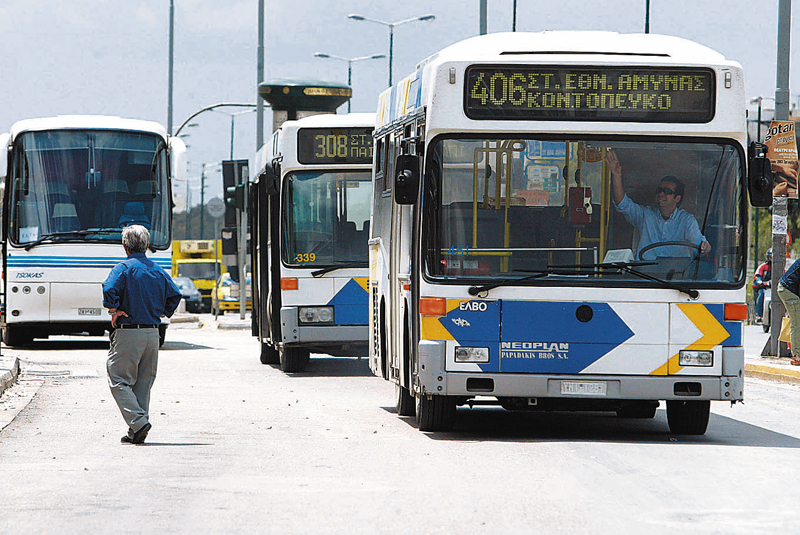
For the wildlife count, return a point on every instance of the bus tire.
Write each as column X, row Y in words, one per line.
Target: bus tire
column 688, row 417
column 406, row 404
column 162, row 334
column 435, row 413
column 269, row 355
column 638, row 409
column 294, row 359
column 16, row 336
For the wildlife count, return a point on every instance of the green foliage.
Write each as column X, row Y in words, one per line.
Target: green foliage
column 179, row 225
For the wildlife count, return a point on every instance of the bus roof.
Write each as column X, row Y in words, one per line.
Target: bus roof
column 601, row 46
column 84, row 122
column 429, row 81
column 324, row 120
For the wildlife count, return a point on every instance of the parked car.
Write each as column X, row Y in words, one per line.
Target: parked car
column 190, row 294
column 223, row 299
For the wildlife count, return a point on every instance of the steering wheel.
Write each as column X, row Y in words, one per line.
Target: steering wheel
column 687, row 244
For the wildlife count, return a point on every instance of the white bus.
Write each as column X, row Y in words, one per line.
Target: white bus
column 309, row 206
column 71, row 184
column 501, row 270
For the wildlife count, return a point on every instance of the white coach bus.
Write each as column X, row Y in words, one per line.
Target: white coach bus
column 309, row 206
column 501, row 269
column 71, row 184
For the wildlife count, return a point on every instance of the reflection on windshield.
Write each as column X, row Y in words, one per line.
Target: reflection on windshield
column 504, row 208
column 100, row 181
column 327, row 217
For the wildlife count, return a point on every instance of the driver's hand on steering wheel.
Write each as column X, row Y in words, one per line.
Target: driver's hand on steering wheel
column 705, row 248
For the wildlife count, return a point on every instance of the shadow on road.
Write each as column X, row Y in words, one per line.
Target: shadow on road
column 181, row 346
column 323, row 366
column 499, row 425
column 65, row 345
column 172, row 444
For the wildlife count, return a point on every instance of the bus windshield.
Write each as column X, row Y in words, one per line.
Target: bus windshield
column 588, row 211
column 326, row 217
column 87, row 185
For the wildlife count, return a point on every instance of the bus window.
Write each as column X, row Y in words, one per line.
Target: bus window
column 92, row 182
column 521, row 205
column 325, row 217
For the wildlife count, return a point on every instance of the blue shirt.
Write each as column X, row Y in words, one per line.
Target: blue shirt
column 142, row 290
column 653, row 228
column 791, row 279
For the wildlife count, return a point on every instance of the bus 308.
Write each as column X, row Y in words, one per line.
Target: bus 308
column 310, row 203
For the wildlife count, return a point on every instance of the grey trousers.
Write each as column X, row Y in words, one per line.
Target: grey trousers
column 792, row 304
column 132, row 363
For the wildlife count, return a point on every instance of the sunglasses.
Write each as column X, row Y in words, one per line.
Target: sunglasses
column 667, row 191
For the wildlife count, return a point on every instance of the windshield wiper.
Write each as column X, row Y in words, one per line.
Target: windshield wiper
column 628, row 267
column 45, row 237
column 475, row 290
column 338, row 265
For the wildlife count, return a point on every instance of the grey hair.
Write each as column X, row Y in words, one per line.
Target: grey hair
column 135, row 238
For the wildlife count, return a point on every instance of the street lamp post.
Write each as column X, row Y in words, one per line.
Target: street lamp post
column 391, row 26
column 349, row 66
column 233, row 116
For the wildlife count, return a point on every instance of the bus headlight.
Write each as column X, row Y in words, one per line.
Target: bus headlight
column 315, row 314
column 472, row 354
column 695, row 358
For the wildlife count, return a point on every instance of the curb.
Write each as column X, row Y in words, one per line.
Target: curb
column 9, row 371
column 773, row 373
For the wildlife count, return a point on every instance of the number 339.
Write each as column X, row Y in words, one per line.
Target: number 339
column 305, row 257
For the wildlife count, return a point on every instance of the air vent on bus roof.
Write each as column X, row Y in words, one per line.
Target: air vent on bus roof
column 584, row 53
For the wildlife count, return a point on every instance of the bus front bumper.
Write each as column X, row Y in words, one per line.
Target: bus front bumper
column 293, row 333
column 433, row 379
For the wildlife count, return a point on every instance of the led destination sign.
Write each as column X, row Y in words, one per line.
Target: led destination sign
column 636, row 94
column 334, row 145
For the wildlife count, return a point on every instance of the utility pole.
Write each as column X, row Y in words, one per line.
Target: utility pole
column 202, row 197
column 171, row 55
column 260, row 79
column 779, row 204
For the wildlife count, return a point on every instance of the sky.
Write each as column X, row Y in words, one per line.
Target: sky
column 109, row 57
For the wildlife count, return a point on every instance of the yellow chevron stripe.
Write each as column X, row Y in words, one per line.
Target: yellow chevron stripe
column 713, row 334
column 363, row 282
column 432, row 329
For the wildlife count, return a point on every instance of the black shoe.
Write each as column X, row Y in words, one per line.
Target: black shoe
column 141, row 434
column 127, row 439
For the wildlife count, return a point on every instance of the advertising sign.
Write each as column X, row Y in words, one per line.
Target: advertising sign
column 781, row 143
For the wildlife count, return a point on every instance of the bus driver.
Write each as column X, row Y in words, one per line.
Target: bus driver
column 666, row 223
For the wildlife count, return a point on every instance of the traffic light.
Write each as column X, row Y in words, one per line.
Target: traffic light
column 235, row 196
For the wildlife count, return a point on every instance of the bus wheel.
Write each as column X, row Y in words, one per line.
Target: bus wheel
column 269, row 355
column 688, row 417
column 294, row 359
column 406, row 404
column 16, row 336
column 162, row 334
column 436, row 413
column 638, row 409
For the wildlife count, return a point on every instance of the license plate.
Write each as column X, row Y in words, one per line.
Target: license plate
column 88, row 312
column 582, row 388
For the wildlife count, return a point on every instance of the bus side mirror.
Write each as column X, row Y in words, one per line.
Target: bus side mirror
column 759, row 176
column 406, row 183
column 270, row 181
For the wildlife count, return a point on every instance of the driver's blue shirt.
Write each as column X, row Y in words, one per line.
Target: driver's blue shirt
column 681, row 226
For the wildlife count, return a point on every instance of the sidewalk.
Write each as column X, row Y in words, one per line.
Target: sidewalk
column 9, row 370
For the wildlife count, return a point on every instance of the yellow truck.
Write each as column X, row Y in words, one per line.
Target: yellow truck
column 201, row 261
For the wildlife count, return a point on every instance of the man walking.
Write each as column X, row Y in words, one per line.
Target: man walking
column 137, row 294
